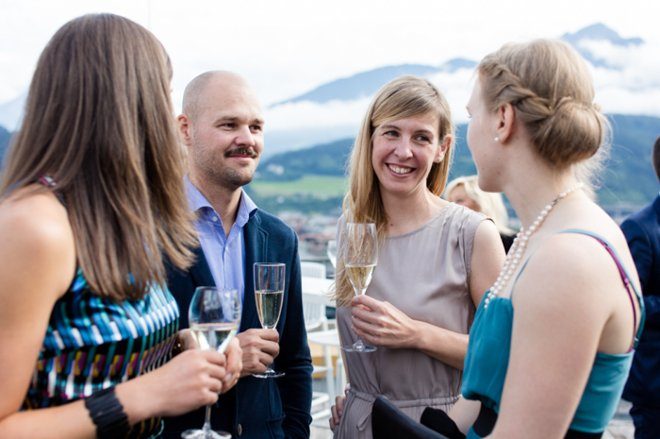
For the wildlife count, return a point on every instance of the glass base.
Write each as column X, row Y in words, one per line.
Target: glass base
column 359, row 346
column 205, row 434
column 269, row 373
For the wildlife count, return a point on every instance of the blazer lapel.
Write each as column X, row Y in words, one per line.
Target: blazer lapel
column 256, row 244
column 200, row 271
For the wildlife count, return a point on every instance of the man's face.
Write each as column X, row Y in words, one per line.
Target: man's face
column 224, row 135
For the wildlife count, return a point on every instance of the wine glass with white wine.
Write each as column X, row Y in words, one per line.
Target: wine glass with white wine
column 269, row 296
column 360, row 253
column 214, row 317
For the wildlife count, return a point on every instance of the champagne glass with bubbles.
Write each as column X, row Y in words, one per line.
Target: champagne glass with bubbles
column 269, row 296
column 360, row 253
column 214, row 317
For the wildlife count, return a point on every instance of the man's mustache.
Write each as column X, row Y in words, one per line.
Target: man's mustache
column 242, row 151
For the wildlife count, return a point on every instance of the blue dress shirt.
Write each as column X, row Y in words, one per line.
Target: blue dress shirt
column 224, row 254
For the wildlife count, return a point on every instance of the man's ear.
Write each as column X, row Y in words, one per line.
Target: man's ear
column 443, row 148
column 506, row 120
column 184, row 129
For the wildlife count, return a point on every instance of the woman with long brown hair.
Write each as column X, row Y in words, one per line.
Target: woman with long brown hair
column 91, row 203
column 435, row 260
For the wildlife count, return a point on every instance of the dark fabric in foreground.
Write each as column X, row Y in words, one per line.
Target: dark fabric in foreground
column 387, row 421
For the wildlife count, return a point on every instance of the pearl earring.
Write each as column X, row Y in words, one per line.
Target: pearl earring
column 497, row 139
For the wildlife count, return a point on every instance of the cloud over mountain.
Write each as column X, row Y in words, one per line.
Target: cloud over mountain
column 626, row 75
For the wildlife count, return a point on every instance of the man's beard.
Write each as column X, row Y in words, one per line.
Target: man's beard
column 232, row 179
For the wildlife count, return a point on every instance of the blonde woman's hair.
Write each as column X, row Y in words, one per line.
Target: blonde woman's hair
column 490, row 204
column 549, row 85
column 403, row 97
column 99, row 121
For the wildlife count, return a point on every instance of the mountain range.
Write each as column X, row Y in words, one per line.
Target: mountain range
column 626, row 182
column 319, row 145
column 333, row 109
column 367, row 83
column 598, row 32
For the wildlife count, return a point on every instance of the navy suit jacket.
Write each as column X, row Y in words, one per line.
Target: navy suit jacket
column 255, row 407
column 642, row 231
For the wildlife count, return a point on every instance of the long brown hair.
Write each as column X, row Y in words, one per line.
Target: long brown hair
column 403, row 97
column 99, row 121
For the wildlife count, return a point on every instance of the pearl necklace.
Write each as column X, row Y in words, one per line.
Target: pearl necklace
column 519, row 244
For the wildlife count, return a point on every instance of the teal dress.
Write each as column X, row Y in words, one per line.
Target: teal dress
column 487, row 361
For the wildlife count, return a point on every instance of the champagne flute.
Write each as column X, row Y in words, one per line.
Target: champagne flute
column 360, row 252
column 269, row 296
column 332, row 252
column 214, row 317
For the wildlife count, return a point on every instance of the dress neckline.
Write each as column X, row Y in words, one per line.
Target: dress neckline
column 426, row 225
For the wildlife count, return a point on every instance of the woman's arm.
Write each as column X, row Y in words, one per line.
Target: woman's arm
column 561, row 307
column 38, row 263
column 464, row 412
column 487, row 259
column 383, row 324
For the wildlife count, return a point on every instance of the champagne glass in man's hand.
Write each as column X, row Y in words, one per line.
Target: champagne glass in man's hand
column 269, row 296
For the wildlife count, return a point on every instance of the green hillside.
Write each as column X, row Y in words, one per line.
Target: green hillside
column 315, row 176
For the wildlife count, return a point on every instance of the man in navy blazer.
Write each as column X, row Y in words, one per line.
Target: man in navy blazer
column 642, row 231
column 222, row 127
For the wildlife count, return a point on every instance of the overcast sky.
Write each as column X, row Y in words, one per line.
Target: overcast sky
column 285, row 48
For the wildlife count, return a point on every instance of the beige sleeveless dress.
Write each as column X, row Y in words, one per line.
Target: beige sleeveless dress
column 425, row 274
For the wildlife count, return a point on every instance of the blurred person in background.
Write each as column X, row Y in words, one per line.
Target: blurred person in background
column 642, row 231
column 466, row 192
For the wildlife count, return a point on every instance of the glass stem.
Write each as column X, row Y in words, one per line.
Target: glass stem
column 207, row 421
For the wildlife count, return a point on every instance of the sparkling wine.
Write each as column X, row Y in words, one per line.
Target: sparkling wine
column 360, row 276
column 269, row 306
column 213, row 335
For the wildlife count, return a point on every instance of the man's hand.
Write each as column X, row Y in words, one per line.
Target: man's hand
column 260, row 347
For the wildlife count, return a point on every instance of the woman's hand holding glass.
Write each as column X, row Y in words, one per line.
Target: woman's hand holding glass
column 382, row 324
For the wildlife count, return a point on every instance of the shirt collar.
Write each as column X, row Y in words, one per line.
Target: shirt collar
column 197, row 201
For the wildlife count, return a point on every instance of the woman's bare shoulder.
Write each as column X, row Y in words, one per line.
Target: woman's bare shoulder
column 35, row 231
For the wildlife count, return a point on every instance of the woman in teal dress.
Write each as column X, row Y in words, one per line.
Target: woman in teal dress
column 91, row 202
column 552, row 340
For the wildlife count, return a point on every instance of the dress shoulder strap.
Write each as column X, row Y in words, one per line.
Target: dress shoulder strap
column 50, row 183
column 625, row 278
column 623, row 273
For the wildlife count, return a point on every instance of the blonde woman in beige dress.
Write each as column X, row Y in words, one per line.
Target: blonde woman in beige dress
column 436, row 259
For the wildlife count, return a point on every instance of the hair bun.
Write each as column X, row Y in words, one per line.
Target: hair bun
column 572, row 132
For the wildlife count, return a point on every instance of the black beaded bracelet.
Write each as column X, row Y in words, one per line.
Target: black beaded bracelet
column 107, row 414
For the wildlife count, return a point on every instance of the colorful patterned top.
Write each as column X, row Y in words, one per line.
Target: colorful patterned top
column 93, row 342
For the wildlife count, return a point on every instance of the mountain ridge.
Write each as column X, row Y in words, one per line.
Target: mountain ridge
column 364, row 84
column 628, row 177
